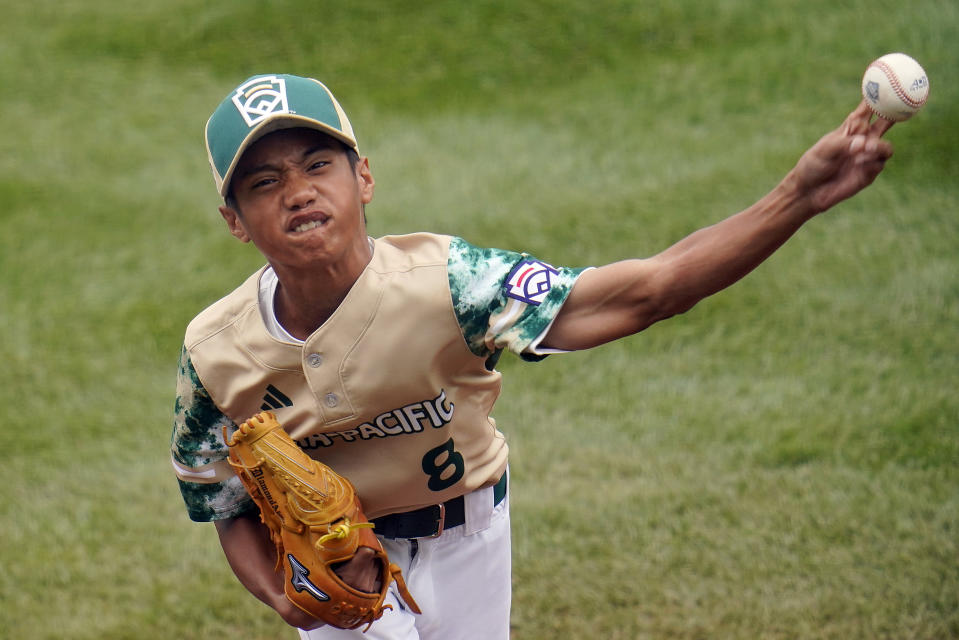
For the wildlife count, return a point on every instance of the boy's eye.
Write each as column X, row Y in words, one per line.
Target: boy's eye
column 262, row 182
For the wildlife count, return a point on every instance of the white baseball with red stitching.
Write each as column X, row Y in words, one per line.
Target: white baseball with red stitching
column 895, row 86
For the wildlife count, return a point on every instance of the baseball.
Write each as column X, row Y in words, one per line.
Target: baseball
column 895, row 86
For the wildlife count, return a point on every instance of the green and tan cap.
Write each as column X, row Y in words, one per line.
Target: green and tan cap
column 267, row 103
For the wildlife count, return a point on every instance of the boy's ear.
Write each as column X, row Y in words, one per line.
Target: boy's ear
column 235, row 223
column 365, row 179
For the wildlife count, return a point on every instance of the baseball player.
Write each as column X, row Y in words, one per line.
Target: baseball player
column 378, row 355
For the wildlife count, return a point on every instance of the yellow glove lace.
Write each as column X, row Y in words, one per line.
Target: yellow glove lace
column 342, row 530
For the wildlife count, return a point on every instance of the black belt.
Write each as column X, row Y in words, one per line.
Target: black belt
column 430, row 522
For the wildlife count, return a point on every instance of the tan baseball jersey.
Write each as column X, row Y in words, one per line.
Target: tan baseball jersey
column 393, row 391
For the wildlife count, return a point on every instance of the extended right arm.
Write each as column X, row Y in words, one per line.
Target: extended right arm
column 623, row 298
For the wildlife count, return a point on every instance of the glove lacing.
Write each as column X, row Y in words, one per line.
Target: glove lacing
column 342, row 530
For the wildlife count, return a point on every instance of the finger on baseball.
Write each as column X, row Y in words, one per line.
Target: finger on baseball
column 881, row 126
column 858, row 120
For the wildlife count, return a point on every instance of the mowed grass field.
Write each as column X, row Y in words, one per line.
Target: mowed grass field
column 780, row 462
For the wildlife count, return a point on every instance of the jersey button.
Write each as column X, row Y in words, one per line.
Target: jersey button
column 332, row 400
column 314, row 360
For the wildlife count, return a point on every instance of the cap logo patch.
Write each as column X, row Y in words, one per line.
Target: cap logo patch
column 530, row 281
column 260, row 98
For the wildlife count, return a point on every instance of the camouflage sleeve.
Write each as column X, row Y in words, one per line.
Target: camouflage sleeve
column 209, row 487
column 505, row 300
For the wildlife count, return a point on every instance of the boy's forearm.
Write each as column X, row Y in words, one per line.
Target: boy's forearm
column 252, row 556
column 715, row 257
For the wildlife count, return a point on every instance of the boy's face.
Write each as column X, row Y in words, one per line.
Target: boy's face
column 300, row 202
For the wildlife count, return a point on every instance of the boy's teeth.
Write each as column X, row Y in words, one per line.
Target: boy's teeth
column 306, row 226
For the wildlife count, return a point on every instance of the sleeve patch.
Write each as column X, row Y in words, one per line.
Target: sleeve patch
column 530, row 281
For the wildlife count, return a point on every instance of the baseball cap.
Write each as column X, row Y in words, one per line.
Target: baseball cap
column 266, row 103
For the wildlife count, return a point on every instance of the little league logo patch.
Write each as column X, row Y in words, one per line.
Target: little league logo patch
column 261, row 97
column 530, row 281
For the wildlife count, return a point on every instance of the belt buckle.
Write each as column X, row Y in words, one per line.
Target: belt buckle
column 440, row 521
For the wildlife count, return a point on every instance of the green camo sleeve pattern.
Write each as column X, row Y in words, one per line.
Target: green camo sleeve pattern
column 477, row 280
column 197, row 441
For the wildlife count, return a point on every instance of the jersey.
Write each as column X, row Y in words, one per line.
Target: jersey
column 394, row 391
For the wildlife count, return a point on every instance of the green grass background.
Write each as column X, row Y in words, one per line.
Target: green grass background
column 781, row 462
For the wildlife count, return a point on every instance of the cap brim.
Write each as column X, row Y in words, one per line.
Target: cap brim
column 277, row 123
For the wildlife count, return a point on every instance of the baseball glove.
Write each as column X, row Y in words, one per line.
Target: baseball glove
column 316, row 522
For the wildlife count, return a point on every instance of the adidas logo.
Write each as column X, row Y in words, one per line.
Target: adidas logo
column 275, row 399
